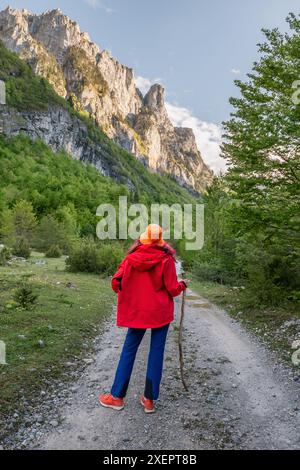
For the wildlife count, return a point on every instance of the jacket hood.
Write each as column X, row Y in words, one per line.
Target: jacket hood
column 145, row 257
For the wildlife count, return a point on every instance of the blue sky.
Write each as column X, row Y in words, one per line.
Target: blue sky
column 195, row 48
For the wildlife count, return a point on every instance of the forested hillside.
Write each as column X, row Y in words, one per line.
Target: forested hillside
column 57, row 192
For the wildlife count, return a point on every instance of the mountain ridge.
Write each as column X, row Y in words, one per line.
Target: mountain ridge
column 98, row 85
column 33, row 109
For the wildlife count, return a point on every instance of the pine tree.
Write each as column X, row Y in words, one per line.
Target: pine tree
column 18, row 223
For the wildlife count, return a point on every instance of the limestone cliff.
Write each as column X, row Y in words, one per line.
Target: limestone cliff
column 62, row 131
column 98, row 84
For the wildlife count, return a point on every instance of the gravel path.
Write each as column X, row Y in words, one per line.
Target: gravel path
column 239, row 396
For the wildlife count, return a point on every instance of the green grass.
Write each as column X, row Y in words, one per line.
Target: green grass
column 217, row 293
column 64, row 319
column 264, row 322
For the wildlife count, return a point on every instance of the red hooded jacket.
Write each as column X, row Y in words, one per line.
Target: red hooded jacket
column 146, row 282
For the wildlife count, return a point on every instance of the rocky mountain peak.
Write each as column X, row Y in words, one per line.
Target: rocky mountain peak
column 155, row 98
column 55, row 11
column 96, row 83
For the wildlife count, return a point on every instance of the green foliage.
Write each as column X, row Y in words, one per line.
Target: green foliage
column 252, row 214
column 61, row 194
column 21, row 248
column 5, row 255
column 18, row 223
column 110, row 256
column 25, row 90
column 209, row 271
column 53, row 183
column 263, row 141
column 92, row 257
column 54, row 251
column 51, row 199
column 88, row 73
column 76, row 105
column 269, row 268
column 145, row 187
column 25, row 297
column 52, row 232
column 58, row 185
column 65, row 320
column 84, row 257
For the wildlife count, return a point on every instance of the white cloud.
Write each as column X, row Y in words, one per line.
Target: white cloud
column 144, row 84
column 99, row 4
column 208, row 134
column 235, row 71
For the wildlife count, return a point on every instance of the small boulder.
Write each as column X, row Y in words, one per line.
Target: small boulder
column 70, row 285
column 54, row 423
column 295, row 344
column 88, row 361
column 22, row 337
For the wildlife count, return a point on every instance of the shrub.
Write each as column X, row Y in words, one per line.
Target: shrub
column 110, row 256
column 25, row 297
column 89, row 256
column 84, row 257
column 267, row 278
column 21, row 248
column 211, row 271
column 52, row 232
column 20, row 221
column 54, row 252
column 5, row 255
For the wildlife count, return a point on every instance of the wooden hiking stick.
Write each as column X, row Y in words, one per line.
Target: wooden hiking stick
column 181, row 360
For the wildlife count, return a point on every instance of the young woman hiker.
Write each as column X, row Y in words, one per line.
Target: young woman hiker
column 146, row 283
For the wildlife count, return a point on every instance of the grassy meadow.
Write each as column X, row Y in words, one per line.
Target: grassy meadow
column 69, row 312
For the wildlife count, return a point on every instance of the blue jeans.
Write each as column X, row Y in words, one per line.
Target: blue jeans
column 155, row 361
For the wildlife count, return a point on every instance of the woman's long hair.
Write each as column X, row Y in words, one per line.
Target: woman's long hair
column 134, row 246
column 166, row 248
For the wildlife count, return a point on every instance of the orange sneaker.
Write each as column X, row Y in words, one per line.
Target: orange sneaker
column 147, row 404
column 109, row 401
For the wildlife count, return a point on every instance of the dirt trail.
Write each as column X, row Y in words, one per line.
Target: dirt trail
column 239, row 396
